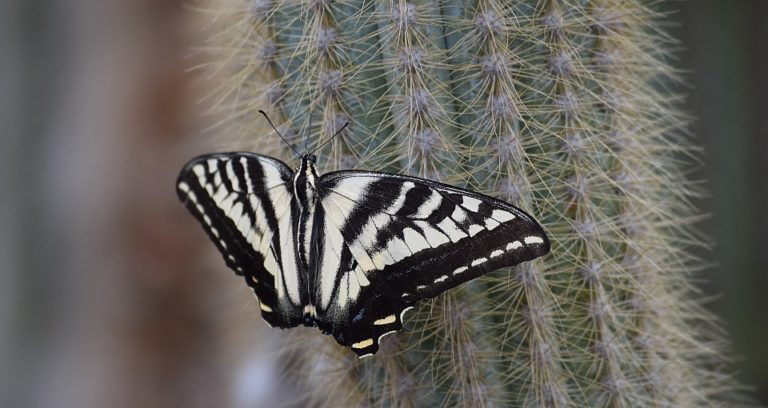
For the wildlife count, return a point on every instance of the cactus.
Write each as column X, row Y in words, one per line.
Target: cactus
column 562, row 107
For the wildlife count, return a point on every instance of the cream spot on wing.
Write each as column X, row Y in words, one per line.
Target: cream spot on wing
column 420, row 287
column 479, row 261
column 496, row 253
column 363, row 344
column 514, row 245
column 264, row 307
column 365, row 356
column 441, row 279
column 207, row 219
column 310, row 310
column 459, row 270
column 470, row 203
column 533, row 240
column 215, row 232
column 184, row 187
column 223, row 244
column 387, row 320
column 502, row 216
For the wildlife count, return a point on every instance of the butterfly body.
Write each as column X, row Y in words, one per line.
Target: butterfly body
column 349, row 251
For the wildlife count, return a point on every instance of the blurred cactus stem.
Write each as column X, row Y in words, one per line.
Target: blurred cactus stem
column 566, row 109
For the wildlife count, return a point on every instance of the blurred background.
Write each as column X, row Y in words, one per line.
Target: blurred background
column 108, row 296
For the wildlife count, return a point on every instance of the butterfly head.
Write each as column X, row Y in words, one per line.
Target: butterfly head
column 309, row 157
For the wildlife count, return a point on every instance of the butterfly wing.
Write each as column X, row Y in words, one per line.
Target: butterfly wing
column 392, row 240
column 245, row 204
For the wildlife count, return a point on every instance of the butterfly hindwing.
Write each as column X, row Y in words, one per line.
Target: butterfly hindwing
column 234, row 197
column 399, row 239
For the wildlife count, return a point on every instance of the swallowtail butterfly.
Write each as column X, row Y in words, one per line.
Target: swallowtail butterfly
column 349, row 251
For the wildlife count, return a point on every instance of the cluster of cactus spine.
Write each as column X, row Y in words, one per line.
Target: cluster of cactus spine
column 560, row 107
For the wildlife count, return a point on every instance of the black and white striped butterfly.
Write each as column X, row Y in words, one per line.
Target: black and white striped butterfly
column 349, row 251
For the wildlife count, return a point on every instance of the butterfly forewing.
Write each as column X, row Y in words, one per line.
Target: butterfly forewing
column 395, row 240
column 243, row 201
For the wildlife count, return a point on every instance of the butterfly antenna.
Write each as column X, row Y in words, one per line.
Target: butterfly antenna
column 309, row 132
column 278, row 133
column 330, row 138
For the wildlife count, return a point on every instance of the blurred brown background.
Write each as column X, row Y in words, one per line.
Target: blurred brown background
column 110, row 294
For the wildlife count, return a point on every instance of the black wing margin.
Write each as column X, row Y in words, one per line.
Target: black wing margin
column 407, row 239
column 231, row 195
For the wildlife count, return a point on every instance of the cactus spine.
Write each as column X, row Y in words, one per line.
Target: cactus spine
column 561, row 107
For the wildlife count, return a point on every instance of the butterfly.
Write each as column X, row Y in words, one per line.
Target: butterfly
column 349, row 251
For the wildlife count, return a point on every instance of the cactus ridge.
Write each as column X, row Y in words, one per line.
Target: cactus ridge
column 567, row 109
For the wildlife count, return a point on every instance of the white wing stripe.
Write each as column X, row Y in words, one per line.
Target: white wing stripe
column 414, row 240
column 470, row 203
column 502, row 216
column 288, row 261
column 474, row 229
column 232, row 176
column 459, row 215
column 331, row 261
column 433, row 236
column 246, row 175
column 452, row 230
column 429, row 205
